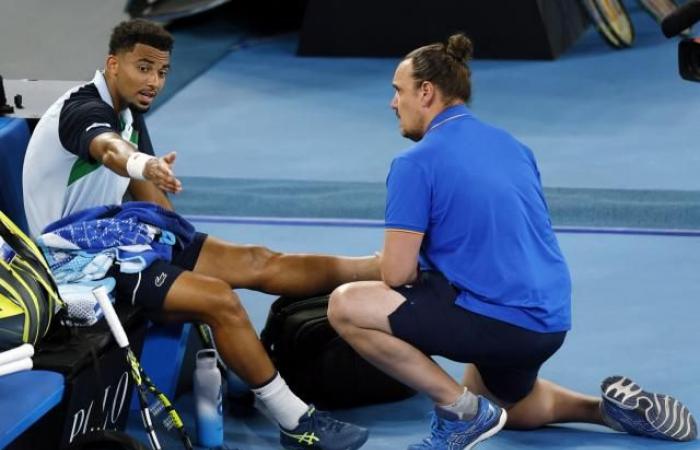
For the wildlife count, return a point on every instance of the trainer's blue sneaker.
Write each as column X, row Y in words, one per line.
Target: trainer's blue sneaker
column 317, row 430
column 447, row 432
column 635, row 411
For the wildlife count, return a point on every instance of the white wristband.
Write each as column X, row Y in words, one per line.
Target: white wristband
column 136, row 164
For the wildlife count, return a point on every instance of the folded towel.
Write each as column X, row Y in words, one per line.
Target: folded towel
column 82, row 309
column 16, row 366
column 21, row 352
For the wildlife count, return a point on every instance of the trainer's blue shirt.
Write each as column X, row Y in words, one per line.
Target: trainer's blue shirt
column 475, row 193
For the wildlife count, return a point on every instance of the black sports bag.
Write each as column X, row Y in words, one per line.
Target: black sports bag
column 318, row 365
column 28, row 295
column 106, row 440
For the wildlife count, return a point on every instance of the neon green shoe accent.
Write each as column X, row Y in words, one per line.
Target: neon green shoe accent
column 306, row 438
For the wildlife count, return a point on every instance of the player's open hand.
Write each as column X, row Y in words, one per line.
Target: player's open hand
column 160, row 172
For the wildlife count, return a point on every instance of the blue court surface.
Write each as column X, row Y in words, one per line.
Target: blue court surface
column 634, row 314
column 264, row 133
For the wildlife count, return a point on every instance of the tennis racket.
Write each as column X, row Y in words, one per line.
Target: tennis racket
column 144, row 385
column 208, row 341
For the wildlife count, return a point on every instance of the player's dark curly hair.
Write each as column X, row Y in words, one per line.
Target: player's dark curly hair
column 446, row 66
column 138, row 31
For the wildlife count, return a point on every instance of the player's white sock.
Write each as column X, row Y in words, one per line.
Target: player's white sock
column 282, row 403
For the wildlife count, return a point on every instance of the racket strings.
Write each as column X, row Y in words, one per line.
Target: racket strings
column 173, row 418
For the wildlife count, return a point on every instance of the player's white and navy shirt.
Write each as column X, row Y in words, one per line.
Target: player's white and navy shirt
column 59, row 175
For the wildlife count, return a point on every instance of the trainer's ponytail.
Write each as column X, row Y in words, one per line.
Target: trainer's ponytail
column 460, row 48
column 446, row 66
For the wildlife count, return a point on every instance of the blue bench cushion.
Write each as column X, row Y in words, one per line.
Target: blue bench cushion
column 24, row 398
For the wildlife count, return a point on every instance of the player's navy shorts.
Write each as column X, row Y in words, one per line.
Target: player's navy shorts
column 149, row 287
column 507, row 356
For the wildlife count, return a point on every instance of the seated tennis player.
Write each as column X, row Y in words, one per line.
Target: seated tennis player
column 92, row 147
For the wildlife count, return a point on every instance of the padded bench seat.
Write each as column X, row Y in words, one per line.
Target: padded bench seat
column 24, row 398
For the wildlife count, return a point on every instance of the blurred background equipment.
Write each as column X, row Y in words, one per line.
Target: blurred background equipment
column 518, row 29
column 680, row 19
column 612, row 20
column 689, row 59
column 4, row 107
column 167, row 10
column 679, row 22
column 660, row 9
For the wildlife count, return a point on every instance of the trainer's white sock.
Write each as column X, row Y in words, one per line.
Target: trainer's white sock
column 282, row 403
column 465, row 407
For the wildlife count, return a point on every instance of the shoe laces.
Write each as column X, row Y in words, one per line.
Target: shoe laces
column 441, row 429
column 325, row 422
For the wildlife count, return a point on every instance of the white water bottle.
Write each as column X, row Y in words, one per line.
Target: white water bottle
column 208, row 400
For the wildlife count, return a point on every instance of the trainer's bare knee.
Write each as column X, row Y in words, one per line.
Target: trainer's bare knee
column 340, row 306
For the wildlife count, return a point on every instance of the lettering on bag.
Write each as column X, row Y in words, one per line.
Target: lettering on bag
column 113, row 398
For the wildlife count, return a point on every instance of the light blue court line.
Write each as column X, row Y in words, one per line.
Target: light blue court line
column 628, row 231
column 287, row 221
column 368, row 223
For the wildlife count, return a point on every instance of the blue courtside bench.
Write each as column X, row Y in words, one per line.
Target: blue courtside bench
column 25, row 397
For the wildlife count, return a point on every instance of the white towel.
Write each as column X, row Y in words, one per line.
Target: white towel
column 21, row 352
column 16, row 366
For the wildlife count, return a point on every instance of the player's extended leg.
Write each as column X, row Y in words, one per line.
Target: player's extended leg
column 294, row 275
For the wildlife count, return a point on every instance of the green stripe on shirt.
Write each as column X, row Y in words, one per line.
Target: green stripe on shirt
column 80, row 169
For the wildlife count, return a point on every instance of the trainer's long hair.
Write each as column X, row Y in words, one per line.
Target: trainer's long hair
column 446, row 66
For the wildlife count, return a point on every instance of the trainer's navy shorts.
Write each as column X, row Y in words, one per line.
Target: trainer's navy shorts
column 507, row 356
column 149, row 287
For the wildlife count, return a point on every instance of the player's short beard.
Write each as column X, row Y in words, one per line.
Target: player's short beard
column 140, row 109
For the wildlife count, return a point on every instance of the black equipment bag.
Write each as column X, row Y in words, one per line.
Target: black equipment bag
column 106, row 440
column 318, row 365
column 97, row 391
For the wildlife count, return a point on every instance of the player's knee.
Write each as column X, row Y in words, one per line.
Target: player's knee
column 225, row 307
column 260, row 259
column 265, row 267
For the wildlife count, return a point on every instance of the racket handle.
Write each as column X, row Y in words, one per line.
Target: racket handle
column 111, row 316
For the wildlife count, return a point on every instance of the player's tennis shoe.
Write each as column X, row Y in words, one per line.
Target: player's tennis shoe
column 317, row 430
